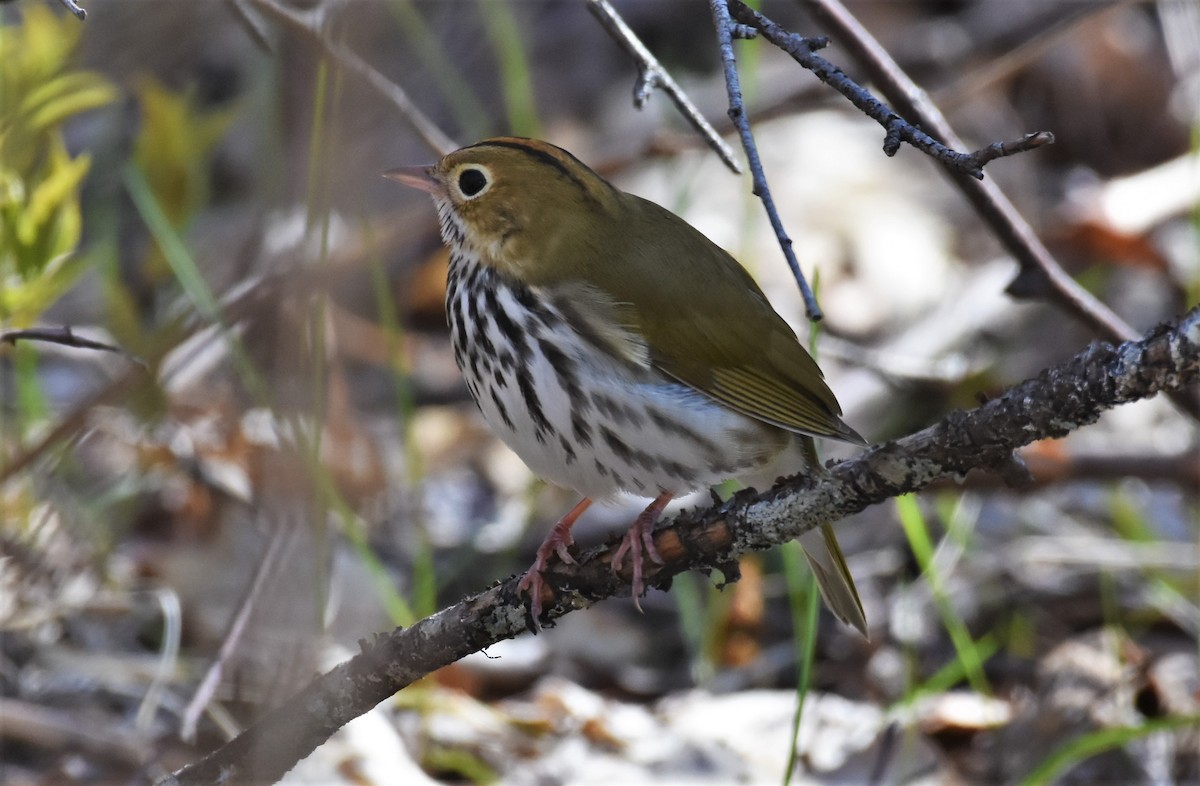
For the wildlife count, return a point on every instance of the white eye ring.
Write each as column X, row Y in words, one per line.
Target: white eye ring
column 472, row 181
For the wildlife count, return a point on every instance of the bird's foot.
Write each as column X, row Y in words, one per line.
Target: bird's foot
column 532, row 585
column 639, row 541
column 557, row 542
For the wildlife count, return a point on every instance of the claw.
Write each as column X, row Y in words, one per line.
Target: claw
column 557, row 543
column 532, row 584
column 639, row 539
column 648, row 543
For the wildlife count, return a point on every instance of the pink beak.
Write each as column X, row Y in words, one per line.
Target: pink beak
column 420, row 177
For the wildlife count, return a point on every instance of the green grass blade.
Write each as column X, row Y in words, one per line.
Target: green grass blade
column 953, row 672
column 31, row 401
column 424, row 577
column 399, row 610
column 1082, row 748
column 179, row 259
column 804, row 601
column 968, row 651
column 515, row 73
column 460, row 96
column 696, row 624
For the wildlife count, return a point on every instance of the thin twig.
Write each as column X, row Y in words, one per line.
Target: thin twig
column 252, row 23
column 651, row 75
column 245, row 304
column 803, row 51
column 1040, row 33
column 1057, row 401
column 66, row 337
column 989, row 200
column 309, row 23
column 38, row 727
column 1040, row 274
column 737, row 113
column 75, row 8
column 279, row 537
column 996, row 150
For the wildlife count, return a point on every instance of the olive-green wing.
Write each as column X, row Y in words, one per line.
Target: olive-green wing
column 707, row 324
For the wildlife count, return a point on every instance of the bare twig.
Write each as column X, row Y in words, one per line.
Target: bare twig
column 58, row 730
column 737, row 113
column 989, row 200
column 1043, row 30
column 71, row 424
column 1002, row 149
column 263, row 570
column 651, row 75
column 803, row 51
column 1056, row 402
column 67, row 338
column 75, row 8
column 242, row 304
column 309, row 23
column 252, row 23
column 1039, row 274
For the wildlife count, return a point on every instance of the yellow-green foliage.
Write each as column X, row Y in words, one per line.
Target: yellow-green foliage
column 173, row 148
column 39, row 180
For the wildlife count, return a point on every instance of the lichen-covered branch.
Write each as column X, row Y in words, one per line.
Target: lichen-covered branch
column 1054, row 403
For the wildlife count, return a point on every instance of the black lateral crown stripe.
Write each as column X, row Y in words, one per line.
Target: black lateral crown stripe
column 535, row 150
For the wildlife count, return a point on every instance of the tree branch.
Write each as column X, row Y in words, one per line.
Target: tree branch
column 1054, row 403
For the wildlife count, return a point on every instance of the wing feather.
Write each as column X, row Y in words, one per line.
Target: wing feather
column 706, row 323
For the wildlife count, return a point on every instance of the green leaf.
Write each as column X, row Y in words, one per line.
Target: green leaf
column 40, row 216
column 42, row 45
column 22, row 302
column 73, row 94
column 173, row 147
column 971, row 654
column 52, row 210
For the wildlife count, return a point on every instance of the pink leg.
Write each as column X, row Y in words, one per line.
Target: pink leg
column 639, row 539
column 556, row 542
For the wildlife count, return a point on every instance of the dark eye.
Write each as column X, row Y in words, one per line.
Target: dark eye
column 472, row 181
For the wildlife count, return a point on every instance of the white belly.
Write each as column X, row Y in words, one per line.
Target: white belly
column 583, row 420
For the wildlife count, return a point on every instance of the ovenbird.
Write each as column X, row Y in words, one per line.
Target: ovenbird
column 615, row 348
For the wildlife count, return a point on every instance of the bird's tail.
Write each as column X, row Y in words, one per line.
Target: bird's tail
column 833, row 576
column 820, row 544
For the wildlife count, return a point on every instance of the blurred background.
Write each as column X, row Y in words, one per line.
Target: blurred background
column 286, row 460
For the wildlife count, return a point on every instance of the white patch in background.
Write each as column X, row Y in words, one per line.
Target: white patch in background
column 865, row 221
